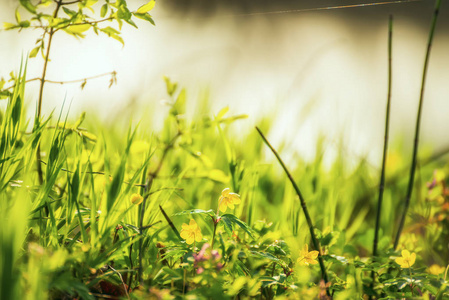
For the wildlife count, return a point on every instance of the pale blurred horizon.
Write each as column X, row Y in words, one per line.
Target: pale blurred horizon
column 319, row 72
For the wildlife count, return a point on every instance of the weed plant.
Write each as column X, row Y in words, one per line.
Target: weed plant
column 192, row 212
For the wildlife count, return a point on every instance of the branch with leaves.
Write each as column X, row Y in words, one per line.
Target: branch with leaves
column 75, row 23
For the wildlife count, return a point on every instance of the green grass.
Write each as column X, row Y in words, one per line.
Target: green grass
column 70, row 229
column 78, row 234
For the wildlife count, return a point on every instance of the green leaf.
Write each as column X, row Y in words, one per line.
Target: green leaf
column 78, row 28
column 45, row 3
column 146, row 17
column 171, row 86
column 123, row 13
column 231, row 219
column 180, row 105
column 18, row 16
column 69, row 12
column 110, row 31
column 28, row 6
column 113, row 33
column 54, row 151
column 221, row 113
column 9, row 26
column 131, row 22
column 209, row 212
column 34, row 52
column 80, row 120
column 146, row 7
column 104, row 10
column 118, row 38
column 270, row 257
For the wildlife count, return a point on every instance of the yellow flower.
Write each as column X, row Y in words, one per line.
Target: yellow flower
column 436, row 269
column 407, row 260
column 227, row 199
column 136, row 199
column 191, row 232
column 307, row 258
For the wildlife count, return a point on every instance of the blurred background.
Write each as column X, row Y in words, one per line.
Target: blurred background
column 313, row 68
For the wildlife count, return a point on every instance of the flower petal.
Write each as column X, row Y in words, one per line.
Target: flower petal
column 313, row 254
column 190, row 239
column 400, row 261
column 405, row 254
column 225, row 192
column 223, row 206
column 235, row 198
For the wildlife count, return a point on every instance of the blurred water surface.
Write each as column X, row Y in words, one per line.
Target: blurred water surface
column 316, row 72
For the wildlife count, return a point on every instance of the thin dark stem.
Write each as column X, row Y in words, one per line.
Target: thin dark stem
column 170, row 223
column 213, row 235
column 384, row 155
column 315, row 241
column 40, row 172
column 417, row 127
column 46, row 60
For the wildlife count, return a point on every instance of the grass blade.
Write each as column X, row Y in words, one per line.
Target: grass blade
column 315, row 241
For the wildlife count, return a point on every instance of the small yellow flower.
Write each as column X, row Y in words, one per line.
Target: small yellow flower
column 307, row 258
column 136, row 199
column 436, row 269
column 227, row 199
column 191, row 232
column 407, row 260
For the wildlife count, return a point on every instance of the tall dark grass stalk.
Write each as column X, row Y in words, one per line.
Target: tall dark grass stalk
column 418, row 125
column 384, row 155
column 315, row 241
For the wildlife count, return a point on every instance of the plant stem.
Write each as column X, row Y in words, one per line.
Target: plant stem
column 41, row 92
column 213, row 235
column 170, row 223
column 418, row 124
column 384, row 155
column 315, row 241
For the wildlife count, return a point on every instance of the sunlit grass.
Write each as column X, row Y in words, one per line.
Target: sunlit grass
column 201, row 209
column 80, row 232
